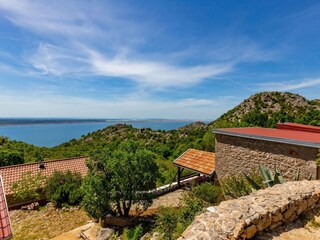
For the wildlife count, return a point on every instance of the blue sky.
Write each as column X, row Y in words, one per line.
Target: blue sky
column 153, row 59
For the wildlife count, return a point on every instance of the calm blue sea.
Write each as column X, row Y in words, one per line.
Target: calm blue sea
column 50, row 135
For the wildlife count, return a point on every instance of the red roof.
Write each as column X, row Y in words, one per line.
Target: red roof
column 5, row 226
column 290, row 133
column 197, row 160
column 14, row 173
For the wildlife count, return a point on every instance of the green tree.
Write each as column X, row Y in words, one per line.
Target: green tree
column 64, row 188
column 209, row 141
column 12, row 157
column 117, row 179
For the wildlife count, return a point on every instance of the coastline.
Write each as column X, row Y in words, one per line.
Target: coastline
column 26, row 122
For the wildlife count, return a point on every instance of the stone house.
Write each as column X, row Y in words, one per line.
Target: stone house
column 291, row 146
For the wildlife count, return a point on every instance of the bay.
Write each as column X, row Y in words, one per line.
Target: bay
column 49, row 135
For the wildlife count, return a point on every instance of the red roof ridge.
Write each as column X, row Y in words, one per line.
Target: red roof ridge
column 45, row 161
column 298, row 127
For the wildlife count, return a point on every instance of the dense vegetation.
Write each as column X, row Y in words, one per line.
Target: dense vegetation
column 117, row 179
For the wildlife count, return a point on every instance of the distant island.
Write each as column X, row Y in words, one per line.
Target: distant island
column 33, row 121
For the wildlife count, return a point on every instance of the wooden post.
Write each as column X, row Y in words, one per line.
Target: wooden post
column 179, row 177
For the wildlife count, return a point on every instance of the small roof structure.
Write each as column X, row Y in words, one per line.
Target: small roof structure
column 289, row 133
column 14, row 173
column 199, row 161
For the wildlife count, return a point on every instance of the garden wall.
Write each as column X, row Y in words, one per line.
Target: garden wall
column 263, row 210
column 236, row 154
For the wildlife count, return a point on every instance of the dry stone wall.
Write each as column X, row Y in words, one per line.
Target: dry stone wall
column 260, row 211
column 237, row 154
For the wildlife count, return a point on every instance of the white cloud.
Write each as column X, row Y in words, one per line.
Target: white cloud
column 289, row 85
column 35, row 105
column 92, row 38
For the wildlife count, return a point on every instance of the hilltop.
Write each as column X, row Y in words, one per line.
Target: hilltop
column 268, row 108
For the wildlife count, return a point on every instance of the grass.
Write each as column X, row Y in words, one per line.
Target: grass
column 45, row 223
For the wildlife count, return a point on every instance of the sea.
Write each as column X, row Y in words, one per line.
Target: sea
column 49, row 133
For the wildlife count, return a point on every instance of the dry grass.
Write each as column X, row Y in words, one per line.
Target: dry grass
column 45, row 223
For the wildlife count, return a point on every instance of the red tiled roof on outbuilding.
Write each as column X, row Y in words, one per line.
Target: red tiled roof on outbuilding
column 12, row 174
column 290, row 133
column 197, row 160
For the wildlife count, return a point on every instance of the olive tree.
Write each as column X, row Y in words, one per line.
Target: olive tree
column 118, row 179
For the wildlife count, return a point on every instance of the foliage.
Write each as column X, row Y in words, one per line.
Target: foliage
column 209, row 141
column 190, row 207
column 270, row 179
column 171, row 222
column 64, row 188
column 235, row 186
column 166, row 222
column 29, row 187
column 318, row 158
column 208, row 192
column 10, row 157
column 133, row 233
column 119, row 177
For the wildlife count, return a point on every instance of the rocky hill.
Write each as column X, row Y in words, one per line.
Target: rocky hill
column 267, row 108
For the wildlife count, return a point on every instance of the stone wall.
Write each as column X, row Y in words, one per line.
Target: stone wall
column 260, row 211
column 237, row 154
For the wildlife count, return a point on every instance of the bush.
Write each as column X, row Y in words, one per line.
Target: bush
column 238, row 186
column 208, row 192
column 171, row 222
column 166, row 222
column 10, row 158
column 235, row 186
column 29, row 187
column 133, row 233
column 64, row 188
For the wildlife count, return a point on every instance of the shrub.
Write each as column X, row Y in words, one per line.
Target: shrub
column 64, row 188
column 235, row 186
column 10, row 157
column 29, row 187
column 133, row 233
column 166, row 222
column 208, row 192
column 171, row 222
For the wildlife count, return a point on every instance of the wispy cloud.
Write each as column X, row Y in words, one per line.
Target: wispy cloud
column 288, row 85
column 84, row 27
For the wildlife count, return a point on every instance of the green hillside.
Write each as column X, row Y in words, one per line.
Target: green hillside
column 268, row 108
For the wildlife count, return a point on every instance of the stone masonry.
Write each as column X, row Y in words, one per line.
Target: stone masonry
column 237, row 154
column 263, row 210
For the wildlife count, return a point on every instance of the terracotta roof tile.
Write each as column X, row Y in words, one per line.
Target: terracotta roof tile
column 197, row 160
column 12, row 174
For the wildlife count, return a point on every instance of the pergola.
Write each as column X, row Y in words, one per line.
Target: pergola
column 196, row 160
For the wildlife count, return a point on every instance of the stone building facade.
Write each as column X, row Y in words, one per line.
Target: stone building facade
column 237, row 151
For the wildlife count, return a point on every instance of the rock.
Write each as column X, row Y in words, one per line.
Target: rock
column 32, row 206
column 105, row 234
column 250, row 231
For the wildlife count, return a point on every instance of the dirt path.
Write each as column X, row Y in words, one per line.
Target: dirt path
column 171, row 199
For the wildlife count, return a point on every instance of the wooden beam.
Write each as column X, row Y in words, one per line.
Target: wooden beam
column 179, row 177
